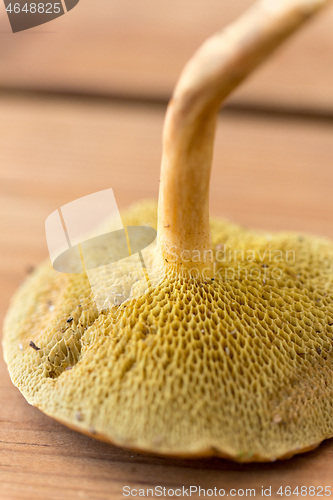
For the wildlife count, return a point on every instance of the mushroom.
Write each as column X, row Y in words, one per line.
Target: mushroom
column 224, row 354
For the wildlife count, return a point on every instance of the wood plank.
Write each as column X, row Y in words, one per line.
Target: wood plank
column 274, row 174
column 121, row 47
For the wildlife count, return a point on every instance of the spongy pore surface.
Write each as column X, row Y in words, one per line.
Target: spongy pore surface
column 238, row 366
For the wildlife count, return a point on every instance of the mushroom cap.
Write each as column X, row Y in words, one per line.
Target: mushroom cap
column 235, row 367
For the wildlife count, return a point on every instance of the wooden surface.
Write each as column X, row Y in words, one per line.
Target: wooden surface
column 274, row 173
column 138, row 48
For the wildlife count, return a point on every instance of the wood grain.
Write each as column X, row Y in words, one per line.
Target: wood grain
column 274, row 174
column 121, row 47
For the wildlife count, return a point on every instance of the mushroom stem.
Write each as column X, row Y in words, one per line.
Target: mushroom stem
column 214, row 71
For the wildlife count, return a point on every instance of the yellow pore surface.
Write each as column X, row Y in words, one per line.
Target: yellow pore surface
column 238, row 366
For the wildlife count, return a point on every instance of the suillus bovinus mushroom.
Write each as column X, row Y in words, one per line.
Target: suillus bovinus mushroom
column 203, row 362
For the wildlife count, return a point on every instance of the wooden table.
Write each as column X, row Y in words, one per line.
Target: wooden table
column 67, row 131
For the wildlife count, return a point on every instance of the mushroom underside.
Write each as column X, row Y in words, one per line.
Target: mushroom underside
column 238, row 364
